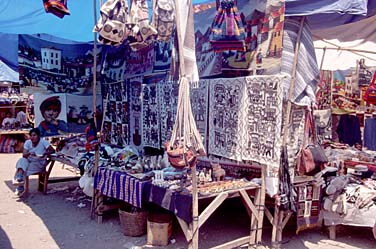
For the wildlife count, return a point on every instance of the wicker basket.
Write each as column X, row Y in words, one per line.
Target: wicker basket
column 133, row 223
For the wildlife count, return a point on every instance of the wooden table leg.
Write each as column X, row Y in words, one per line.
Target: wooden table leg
column 332, row 232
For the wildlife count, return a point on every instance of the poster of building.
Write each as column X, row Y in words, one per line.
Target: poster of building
column 51, row 65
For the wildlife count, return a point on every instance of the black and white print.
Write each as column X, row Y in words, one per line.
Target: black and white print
column 264, row 116
column 227, row 110
column 168, row 101
column 199, row 103
column 135, row 112
column 150, row 116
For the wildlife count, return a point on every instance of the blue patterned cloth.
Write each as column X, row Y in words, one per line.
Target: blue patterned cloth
column 119, row 185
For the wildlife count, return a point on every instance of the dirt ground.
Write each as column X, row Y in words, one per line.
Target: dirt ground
column 61, row 219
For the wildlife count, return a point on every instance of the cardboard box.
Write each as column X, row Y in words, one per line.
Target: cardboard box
column 158, row 231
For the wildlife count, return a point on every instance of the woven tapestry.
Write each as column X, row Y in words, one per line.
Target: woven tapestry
column 227, row 117
column 135, row 111
column 168, row 101
column 308, row 207
column 116, row 119
column 199, row 103
column 150, row 116
column 140, row 61
column 323, row 97
column 295, row 138
column 263, row 22
column 323, row 124
column 264, row 120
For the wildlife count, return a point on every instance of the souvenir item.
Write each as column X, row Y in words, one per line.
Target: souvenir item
column 56, row 7
column 142, row 34
column 179, row 158
column 370, row 95
column 111, row 26
column 312, row 155
column 227, row 28
column 164, row 17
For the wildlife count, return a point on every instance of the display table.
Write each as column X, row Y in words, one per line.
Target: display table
column 14, row 131
column 121, row 186
column 358, row 211
column 348, row 164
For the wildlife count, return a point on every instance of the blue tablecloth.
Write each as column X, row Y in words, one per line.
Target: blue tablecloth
column 119, row 185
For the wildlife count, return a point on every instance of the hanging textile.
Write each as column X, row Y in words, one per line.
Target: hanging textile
column 111, row 26
column 245, row 116
column 135, row 111
column 227, row 117
column 150, row 116
column 307, row 71
column 168, row 101
column 348, row 130
column 199, row 101
column 370, row 133
column 227, row 28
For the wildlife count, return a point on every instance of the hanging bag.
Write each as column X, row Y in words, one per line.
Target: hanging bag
column 311, row 156
column 112, row 23
column 142, row 33
column 370, row 95
column 227, row 28
column 164, row 19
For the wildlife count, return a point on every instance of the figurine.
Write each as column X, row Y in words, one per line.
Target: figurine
column 218, row 172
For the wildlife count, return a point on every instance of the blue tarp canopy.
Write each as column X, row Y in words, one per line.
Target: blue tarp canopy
column 29, row 17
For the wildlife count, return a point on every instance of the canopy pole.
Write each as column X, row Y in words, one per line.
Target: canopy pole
column 278, row 214
column 96, row 158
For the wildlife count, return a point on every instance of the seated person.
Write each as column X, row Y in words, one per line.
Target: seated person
column 51, row 125
column 34, row 159
column 21, row 118
column 8, row 121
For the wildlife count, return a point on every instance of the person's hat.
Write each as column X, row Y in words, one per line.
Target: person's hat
column 51, row 101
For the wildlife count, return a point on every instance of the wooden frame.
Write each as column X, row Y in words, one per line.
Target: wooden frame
column 255, row 210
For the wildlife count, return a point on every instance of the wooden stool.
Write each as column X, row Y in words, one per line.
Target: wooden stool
column 42, row 178
column 42, row 182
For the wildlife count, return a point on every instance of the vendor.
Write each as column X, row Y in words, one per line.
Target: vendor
column 34, row 159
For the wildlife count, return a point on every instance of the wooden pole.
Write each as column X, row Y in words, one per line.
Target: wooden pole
column 96, row 159
column 194, row 242
column 278, row 214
